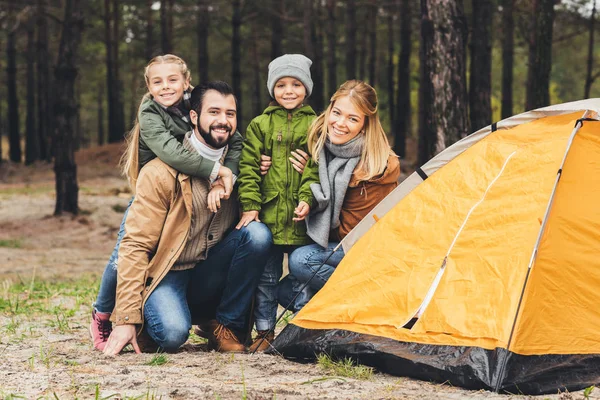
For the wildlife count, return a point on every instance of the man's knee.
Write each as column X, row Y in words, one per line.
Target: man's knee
column 258, row 236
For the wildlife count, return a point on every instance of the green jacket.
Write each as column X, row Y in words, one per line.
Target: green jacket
column 161, row 134
column 276, row 132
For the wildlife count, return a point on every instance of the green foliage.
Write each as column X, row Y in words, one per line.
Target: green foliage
column 587, row 392
column 11, row 243
column 346, row 368
column 158, row 359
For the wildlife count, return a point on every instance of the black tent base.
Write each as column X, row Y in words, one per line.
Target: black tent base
column 467, row 367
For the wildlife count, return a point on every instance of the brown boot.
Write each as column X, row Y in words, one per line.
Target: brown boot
column 222, row 339
column 262, row 342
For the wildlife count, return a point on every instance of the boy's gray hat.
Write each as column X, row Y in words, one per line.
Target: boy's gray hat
column 292, row 65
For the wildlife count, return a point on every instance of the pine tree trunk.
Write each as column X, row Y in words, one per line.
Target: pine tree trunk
column 350, row 40
column 538, row 82
column 508, row 46
column 317, row 67
column 256, row 68
column 164, row 27
column 480, row 88
column 590, row 59
column 443, row 99
column 236, row 57
column 118, row 90
column 100, row 115
column 113, row 135
column 32, row 149
column 390, row 66
column 65, row 110
column 43, row 84
column 331, row 48
column 403, row 106
column 203, row 22
column 14, row 139
column 372, row 13
column 149, row 51
column 277, row 8
column 363, row 34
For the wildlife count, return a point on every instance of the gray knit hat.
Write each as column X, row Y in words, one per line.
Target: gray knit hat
column 292, row 65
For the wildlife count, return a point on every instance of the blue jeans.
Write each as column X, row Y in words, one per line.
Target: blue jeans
column 229, row 275
column 306, row 260
column 105, row 302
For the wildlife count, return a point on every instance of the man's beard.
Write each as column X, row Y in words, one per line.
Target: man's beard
column 215, row 143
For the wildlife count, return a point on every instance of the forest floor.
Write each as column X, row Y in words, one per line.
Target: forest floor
column 50, row 269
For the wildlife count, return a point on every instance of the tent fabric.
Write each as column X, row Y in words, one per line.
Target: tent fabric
column 506, row 254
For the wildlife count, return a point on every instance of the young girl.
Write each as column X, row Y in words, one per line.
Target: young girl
column 162, row 122
column 357, row 169
column 279, row 132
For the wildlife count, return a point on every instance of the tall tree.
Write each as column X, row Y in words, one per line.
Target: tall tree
column 540, row 55
column 314, row 51
column 116, row 118
column 390, row 64
column 118, row 90
column 236, row 56
column 65, row 110
column 14, row 139
column 203, row 22
column 372, row 15
column 443, row 91
column 350, row 39
column 32, row 148
column 277, row 29
column 480, row 88
column 257, row 106
column 508, row 45
column 149, row 50
column 100, row 112
column 44, row 119
column 165, row 32
column 330, row 27
column 318, row 74
column 403, row 107
column 590, row 58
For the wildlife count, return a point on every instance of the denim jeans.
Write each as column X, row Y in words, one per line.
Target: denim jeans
column 230, row 274
column 307, row 260
column 105, row 302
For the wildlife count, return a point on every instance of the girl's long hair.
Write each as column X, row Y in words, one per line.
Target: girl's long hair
column 129, row 162
column 376, row 149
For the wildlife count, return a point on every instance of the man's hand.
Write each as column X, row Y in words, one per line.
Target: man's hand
column 299, row 160
column 265, row 164
column 247, row 217
column 301, row 211
column 214, row 197
column 226, row 179
column 120, row 337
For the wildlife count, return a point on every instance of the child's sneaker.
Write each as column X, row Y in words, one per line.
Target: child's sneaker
column 100, row 329
column 262, row 342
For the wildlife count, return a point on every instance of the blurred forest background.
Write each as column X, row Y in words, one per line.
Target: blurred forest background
column 72, row 70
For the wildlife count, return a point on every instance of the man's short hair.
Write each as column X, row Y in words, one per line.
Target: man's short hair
column 199, row 91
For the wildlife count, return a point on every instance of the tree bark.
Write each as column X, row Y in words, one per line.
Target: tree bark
column 277, row 8
column 149, row 51
column 32, row 148
column 350, row 40
column 65, row 110
column 313, row 48
column 390, row 66
column 508, row 46
column 203, row 22
column 236, row 57
column 331, row 48
column 43, row 84
column 480, row 88
column 403, row 106
column 256, row 68
column 100, row 115
column 118, row 90
column 164, row 27
column 443, row 99
column 373, row 42
column 540, row 55
column 590, row 59
column 14, row 139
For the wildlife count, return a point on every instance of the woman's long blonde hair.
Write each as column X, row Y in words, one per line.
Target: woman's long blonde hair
column 129, row 162
column 376, row 149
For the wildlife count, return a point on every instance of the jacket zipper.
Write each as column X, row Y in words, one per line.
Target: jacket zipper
column 287, row 183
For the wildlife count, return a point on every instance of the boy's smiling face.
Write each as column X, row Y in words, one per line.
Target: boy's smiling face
column 289, row 93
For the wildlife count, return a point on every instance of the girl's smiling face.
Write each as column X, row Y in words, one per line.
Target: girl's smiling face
column 345, row 121
column 166, row 83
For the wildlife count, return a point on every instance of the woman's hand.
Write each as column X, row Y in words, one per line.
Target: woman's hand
column 301, row 211
column 299, row 161
column 214, row 197
column 247, row 217
column 120, row 337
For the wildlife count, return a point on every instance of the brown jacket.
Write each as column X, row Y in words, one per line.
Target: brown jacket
column 156, row 230
column 362, row 196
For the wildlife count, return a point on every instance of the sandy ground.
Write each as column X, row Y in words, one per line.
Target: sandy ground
column 38, row 360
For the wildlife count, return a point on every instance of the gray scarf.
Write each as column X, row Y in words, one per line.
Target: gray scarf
column 336, row 165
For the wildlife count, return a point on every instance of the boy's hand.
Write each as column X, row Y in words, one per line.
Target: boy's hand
column 226, row 179
column 120, row 337
column 299, row 160
column 301, row 211
column 265, row 164
column 214, row 197
column 247, row 217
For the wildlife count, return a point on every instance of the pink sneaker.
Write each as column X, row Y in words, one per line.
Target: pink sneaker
column 100, row 329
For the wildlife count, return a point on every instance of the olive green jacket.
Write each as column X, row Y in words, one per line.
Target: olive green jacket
column 276, row 133
column 161, row 134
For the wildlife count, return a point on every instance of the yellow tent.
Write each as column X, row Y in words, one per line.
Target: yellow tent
column 482, row 268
